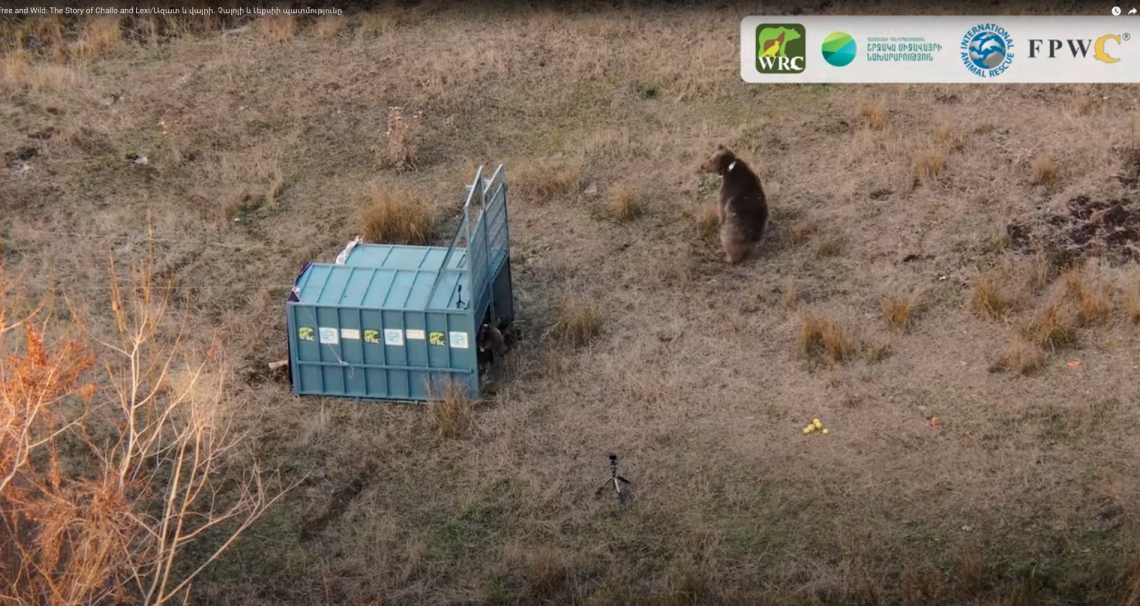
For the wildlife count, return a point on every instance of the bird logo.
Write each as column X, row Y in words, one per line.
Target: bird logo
column 772, row 47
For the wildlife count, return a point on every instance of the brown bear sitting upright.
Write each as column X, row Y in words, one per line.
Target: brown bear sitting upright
column 743, row 209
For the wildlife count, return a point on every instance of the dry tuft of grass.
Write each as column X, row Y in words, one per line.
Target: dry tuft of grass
column 1082, row 101
column 99, row 34
column 625, row 204
column 822, row 338
column 874, row 116
column 829, row 245
column 708, row 222
column 1089, row 295
column 13, row 69
column 1050, row 329
column 578, row 321
column 971, row 565
column 17, row 71
column 396, row 218
column 277, row 28
column 1037, row 273
column 327, row 27
column 990, row 300
column 547, row 569
column 689, row 581
column 900, row 312
column 242, row 204
column 1132, row 302
column 1020, row 356
column 374, row 24
column 452, row 412
column 929, row 166
column 1044, row 171
column 539, row 181
column 879, row 351
column 554, row 365
column 790, row 300
column 400, row 150
column 949, row 139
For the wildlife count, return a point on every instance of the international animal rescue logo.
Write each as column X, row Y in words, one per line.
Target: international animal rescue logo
column 987, row 50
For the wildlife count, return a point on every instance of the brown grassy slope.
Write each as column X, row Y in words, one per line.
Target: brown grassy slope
column 262, row 155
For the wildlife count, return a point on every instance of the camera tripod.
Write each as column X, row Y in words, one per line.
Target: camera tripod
column 616, row 480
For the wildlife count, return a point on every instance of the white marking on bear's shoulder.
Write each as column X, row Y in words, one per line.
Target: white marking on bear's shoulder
column 731, row 166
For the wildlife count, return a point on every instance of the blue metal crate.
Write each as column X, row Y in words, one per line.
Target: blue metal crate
column 395, row 322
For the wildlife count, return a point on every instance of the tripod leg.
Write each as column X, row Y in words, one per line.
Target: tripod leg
column 604, row 486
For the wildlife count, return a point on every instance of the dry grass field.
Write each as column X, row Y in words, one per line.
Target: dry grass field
column 937, row 252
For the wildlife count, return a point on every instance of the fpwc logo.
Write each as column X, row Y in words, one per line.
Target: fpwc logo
column 1078, row 47
column 987, row 50
column 781, row 48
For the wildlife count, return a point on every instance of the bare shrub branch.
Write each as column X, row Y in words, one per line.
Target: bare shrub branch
column 112, row 465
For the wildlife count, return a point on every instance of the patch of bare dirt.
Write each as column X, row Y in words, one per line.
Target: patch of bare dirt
column 337, row 505
column 1097, row 228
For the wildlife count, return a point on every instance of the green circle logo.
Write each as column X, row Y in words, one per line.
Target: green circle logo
column 839, row 49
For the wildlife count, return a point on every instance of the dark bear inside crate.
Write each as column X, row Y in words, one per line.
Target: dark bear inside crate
column 493, row 340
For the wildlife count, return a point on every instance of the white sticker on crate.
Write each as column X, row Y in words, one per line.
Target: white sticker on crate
column 328, row 335
column 458, row 340
column 393, row 336
column 349, row 333
column 415, row 333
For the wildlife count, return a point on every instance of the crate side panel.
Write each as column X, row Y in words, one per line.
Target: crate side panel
column 351, row 343
column 398, row 384
column 395, row 351
column 461, row 341
column 333, row 380
column 377, row 380
column 437, row 350
column 400, row 290
column 368, row 255
column 372, row 337
column 304, row 319
column 355, row 381
column 422, row 284
column 435, row 259
column 447, row 294
column 291, row 337
column 312, row 282
column 334, row 287
column 379, row 287
column 357, row 283
column 418, row 388
column 310, row 379
column 328, row 334
column 407, row 257
column 415, row 338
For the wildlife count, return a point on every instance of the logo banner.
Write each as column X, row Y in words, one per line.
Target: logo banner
column 1042, row 49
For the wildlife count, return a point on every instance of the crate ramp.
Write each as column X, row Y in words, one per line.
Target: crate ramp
column 378, row 289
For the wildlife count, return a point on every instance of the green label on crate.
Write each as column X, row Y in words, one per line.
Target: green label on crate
column 372, row 336
column 305, row 333
column 436, row 338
